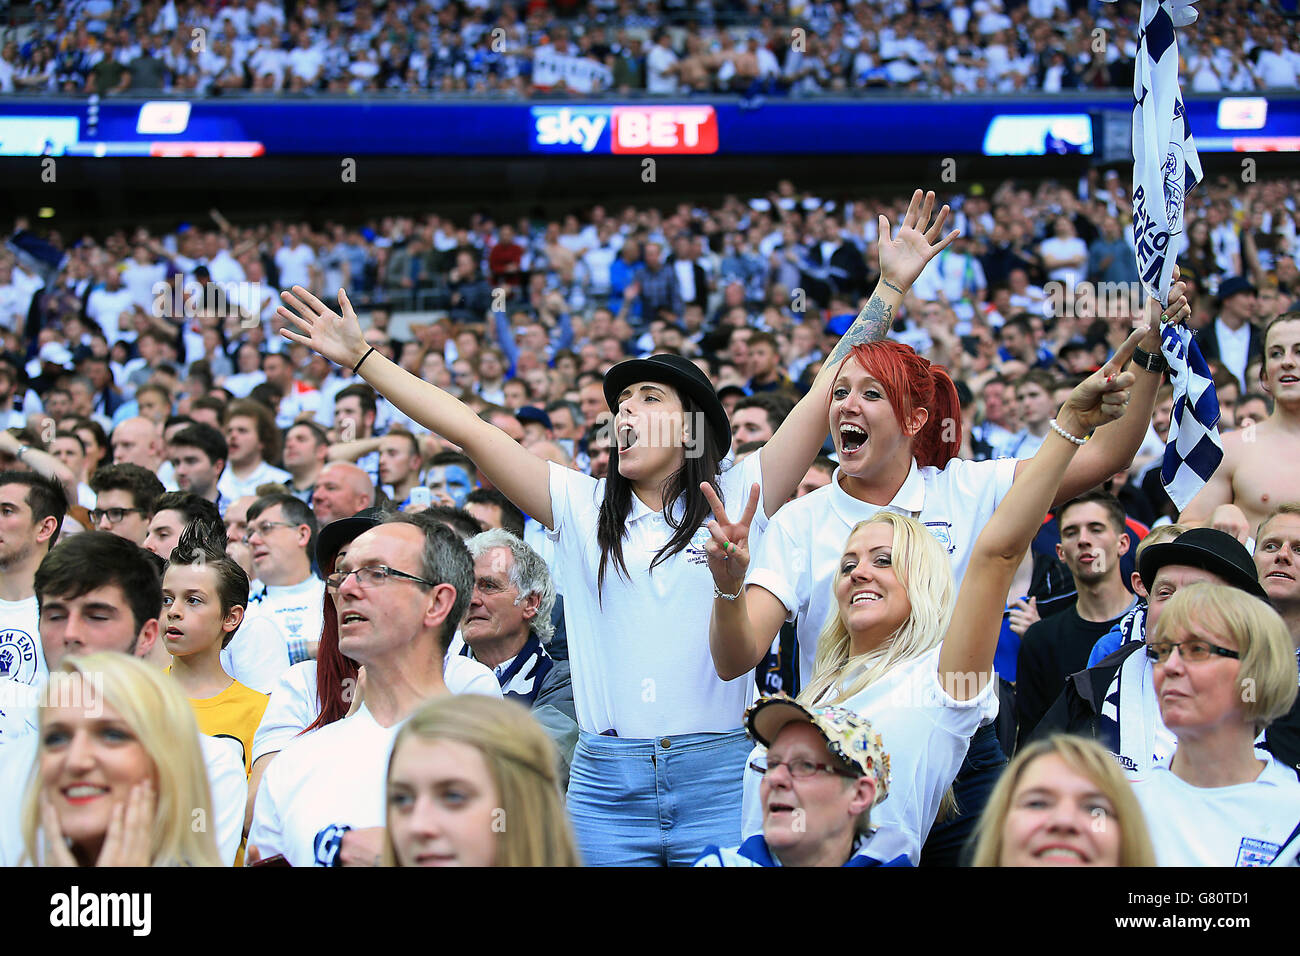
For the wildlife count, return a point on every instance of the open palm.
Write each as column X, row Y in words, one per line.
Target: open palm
column 902, row 258
column 337, row 337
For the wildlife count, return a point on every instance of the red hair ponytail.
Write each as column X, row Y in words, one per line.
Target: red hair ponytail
column 911, row 382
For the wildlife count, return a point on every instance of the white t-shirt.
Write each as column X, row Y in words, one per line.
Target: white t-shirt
column 233, row 487
column 21, row 657
column 799, row 555
column 1241, row 825
column 226, row 779
column 257, row 655
column 329, row 779
column 293, row 264
column 926, row 733
column 658, row 61
column 640, row 659
column 294, row 610
column 1058, row 248
column 294, row 701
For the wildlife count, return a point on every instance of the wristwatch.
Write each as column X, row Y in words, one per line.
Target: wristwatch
column 1152, row 363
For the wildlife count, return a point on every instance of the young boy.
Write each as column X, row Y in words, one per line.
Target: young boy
column 204, row 595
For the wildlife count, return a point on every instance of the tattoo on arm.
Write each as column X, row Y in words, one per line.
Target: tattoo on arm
column 871, row 325
column 892, row 286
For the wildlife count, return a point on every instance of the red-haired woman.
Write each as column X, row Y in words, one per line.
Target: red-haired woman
column 896, row 424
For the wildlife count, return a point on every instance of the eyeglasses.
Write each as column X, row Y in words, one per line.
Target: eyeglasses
column 264, row 529
column 800, row 769
column 372, row 577
column 114, row 515
column 1159, row 651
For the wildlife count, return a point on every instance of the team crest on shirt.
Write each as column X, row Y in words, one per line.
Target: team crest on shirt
column 1256, row 852
column 695, row 552
column 328, row 842
column 18, row 658
column 942, row 531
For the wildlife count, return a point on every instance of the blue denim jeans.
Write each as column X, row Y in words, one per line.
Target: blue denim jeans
column 656, row 802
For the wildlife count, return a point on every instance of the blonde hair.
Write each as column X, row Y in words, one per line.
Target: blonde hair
column 1159, row 535
column 926, row 574
column 1088, row 759
column 523, row 764
column 158, row 714
column 1268, row 667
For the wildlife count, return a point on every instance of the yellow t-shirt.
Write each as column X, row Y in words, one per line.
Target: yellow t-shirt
column 235, row 712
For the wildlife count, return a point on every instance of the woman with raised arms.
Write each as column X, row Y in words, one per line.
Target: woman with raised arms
column 896, row 425
column 655, row 773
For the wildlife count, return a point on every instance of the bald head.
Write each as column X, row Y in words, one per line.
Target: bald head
column 138, row 441
column 341, row 491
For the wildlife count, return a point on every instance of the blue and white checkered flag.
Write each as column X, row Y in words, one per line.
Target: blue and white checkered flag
column 1165, row 169
column 1193, row 450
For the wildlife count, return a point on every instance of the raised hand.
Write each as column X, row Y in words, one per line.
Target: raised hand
column 1103, row 396
column 1022, row 614
column 1232, row 520
column 337, row 337
column 728, row 548
column 903, row 258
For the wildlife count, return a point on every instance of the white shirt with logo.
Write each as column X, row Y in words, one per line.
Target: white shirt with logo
column 296, row 610
column 796, row 560
column 320, row 784
column 21, row 657
column 1241, row 825
column 639, row 658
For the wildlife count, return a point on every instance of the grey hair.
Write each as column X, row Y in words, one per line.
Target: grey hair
column 443, row 560
column 528, row 575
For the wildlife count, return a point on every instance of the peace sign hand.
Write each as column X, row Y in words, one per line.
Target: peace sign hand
column 728, row 548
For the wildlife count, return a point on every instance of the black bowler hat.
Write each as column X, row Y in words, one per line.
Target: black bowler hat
column 683, row 375
column 1208, row 549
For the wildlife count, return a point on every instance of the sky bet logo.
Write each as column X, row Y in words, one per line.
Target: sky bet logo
column 625, row 129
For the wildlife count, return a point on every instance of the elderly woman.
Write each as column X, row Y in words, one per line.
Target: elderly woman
column 824, row 770
column 1063, row 802
column 1225, row 668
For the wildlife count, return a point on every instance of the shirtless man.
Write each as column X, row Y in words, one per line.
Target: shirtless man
column 1260, row 463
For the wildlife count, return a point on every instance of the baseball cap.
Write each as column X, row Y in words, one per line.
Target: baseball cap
column 1208, row 549
column 531, row 413
column 849, row 735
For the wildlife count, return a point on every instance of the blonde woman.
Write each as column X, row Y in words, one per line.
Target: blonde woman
column 898, row 650
column 473, row 781
column 1224, row 669
column 119, row 773
column 1063, row 802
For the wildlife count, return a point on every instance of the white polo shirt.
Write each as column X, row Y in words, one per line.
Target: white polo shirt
column 926, row 733
column 1241, row 825
column 320, row 783
column 640, row 658
column 796, row 559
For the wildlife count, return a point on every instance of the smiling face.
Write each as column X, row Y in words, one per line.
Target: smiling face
column 871, row 598
column 89, row 761
column 442, row 804
column 863, row 424
column 1058, row 817
column 650, row 430
column 1280, row 374
column 1276, row 552
column 493, row 614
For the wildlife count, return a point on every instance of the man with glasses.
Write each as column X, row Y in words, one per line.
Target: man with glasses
column 125, row 500
column 281, row 532
column 400, row 590
column 825, row 768
column 1114, row 702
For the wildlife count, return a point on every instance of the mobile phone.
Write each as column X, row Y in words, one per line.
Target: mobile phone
column 421, row 497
